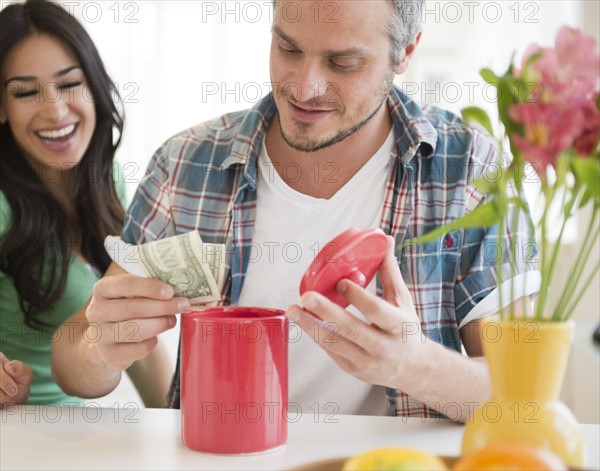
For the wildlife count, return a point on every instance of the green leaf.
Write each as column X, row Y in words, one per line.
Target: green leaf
column 586, row 198
column 489, row 76
column 587, row 172
column 477, row 115
column 482, row 216
column 516, row 172
column 511, row 67
column 531, row 60
column 507, row 98
column 493, row 180
column 488, row 184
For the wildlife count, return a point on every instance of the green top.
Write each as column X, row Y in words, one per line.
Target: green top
column 20, row 342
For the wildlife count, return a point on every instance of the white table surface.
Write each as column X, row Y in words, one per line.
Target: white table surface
column 48, row 437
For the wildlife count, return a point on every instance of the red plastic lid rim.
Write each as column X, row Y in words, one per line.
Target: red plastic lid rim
column 355, row 254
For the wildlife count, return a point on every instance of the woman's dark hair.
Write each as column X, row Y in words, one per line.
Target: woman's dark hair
column 44, row 234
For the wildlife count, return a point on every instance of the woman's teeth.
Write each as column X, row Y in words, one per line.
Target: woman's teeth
column 57, row 134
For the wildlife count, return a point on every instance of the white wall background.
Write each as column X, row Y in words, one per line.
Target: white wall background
column 178, row 63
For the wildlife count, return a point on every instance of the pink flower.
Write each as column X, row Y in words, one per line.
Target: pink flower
column 561, row 113
column 576, row 59
column 570, row 70
column 587, row 141
column 549, row 128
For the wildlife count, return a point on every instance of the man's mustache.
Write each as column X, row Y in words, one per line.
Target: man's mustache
column 323, row 101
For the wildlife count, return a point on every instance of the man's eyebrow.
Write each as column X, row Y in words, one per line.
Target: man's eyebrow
column 31, row 78
column 354, row 51
column 351, row 52
column 285, row 37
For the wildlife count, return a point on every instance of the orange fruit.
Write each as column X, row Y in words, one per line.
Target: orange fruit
column 510, row 457
column 394, row 459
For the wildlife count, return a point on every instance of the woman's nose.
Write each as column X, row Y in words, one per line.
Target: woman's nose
column 54, row 104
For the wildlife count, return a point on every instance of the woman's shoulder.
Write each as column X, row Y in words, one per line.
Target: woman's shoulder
column 5, row 218
column 5, row 213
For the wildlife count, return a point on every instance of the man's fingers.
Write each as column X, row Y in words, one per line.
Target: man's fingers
column 132, row 331
column 134, row 308
column 394, row 289
column 377, row 310
column 341, row 321
column 333, row 338
column 320, row 331
column 125, row 286
column 381, row 311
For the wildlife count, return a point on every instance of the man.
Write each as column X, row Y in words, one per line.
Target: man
column 335, row 146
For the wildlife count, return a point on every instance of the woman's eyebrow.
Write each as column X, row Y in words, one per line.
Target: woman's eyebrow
column 65, row 71
column 31, row 78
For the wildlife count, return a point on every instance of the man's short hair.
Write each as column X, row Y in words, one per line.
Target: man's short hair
column 404, row 26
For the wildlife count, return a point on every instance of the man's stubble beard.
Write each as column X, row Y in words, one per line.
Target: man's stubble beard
column 314, row 145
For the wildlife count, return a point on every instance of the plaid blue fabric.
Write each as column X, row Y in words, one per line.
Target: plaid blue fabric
column 205, row 179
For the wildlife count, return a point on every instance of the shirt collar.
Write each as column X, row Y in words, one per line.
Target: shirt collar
column 250, row 136
column 413, row 128
column 414, row 132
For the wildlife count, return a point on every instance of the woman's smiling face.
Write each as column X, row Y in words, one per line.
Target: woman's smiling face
column 47, row 103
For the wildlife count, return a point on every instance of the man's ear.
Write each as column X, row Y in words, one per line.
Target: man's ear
column 408, row 53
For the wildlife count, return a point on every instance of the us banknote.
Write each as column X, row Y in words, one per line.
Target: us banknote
column 194, row 269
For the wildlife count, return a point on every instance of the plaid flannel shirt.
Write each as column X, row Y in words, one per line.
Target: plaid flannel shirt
column 205, row 179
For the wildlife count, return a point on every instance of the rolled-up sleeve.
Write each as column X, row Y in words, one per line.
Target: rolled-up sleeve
column 477, row 292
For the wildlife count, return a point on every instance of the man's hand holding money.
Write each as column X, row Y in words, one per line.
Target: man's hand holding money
column 129, row 312
column 143, row 290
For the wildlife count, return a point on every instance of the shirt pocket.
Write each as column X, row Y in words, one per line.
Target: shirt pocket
column 432, row 263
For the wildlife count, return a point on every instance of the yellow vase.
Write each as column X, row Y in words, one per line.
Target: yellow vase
column 527, row 362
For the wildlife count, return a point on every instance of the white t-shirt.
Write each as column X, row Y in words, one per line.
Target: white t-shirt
column 289, row 231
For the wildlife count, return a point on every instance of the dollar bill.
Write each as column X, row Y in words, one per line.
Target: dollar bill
column 214, row 256
column 179, row 261
column 194, row 269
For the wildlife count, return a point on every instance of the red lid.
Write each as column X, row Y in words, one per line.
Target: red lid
column 354, row 254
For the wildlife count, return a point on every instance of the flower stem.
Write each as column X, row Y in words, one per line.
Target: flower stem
column 548, row 197
column 499, row 260
column 514, row 251
column 581, row 292
column 577, row 269
column 558, row 243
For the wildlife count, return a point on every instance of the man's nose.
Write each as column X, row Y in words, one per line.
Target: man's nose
column 312, row 82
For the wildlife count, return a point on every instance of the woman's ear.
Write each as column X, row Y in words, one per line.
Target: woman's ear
column 408, row 53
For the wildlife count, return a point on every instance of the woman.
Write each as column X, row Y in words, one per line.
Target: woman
column 59, row 130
